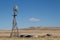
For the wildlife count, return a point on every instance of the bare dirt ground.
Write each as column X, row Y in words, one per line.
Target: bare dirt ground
column 55, row 32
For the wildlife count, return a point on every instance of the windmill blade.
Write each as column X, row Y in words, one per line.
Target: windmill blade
column 15, row 8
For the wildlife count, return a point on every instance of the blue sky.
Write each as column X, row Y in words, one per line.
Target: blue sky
column 31, row 13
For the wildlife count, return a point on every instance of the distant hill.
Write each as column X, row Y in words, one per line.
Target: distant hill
column 42, row 28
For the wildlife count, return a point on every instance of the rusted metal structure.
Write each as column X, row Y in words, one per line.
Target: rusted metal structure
column 15, row 31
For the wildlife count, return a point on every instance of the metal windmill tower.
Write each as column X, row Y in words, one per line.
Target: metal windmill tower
column 15, row 32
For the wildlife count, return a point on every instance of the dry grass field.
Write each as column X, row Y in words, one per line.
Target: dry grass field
column 55, row 32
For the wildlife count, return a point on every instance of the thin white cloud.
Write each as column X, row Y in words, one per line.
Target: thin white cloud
column 34, row 19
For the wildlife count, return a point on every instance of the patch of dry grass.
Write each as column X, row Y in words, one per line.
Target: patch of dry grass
column 45, row 38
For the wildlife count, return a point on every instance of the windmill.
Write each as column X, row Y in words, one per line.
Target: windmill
column 15, row 32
